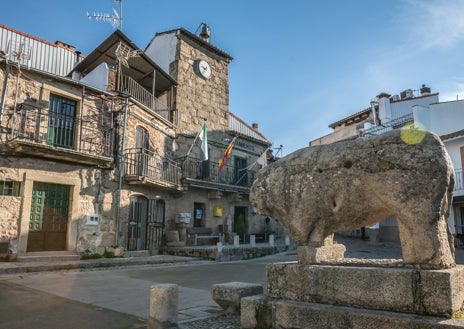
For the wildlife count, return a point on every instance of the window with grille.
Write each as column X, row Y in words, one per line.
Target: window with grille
column 61, row 121
column 9, row 188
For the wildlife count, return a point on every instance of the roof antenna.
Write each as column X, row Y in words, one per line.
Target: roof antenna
column 115, row 20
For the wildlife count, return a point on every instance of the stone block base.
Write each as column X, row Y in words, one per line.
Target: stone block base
column 424, row 292
column 228, row 295
column 318, row 254
column 296, row 315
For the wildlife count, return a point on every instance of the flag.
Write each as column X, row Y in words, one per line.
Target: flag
column 204, row 142
column 226, row 155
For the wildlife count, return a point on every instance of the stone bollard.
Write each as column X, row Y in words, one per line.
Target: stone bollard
column 253, row 240
column 164, row 300
column 271, row 240
column 236, row 241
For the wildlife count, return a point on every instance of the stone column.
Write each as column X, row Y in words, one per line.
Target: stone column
column 164, row 300
column 271, row 240
column 253, row 240
column 236, row 241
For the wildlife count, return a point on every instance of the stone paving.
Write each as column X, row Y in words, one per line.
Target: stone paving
column 357, row 251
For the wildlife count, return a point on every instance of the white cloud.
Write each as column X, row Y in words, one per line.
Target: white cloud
column 432, row 24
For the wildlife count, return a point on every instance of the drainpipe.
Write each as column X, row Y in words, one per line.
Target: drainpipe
column 5, row 85
column 121, row 170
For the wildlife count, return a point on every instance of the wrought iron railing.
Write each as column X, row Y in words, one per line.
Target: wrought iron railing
column 91, row 134
column 390, row 125
column 146, row 98
column 144, row 163
column 209, row 171
column 459, row 184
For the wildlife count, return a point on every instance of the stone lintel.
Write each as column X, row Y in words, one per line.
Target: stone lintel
column 316, row 254
column 424, row 292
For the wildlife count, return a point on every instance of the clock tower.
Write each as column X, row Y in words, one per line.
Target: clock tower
column 202, row 75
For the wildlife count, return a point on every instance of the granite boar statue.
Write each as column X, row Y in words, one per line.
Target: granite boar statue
column 317, row 191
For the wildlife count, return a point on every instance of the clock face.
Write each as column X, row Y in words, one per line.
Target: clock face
column 204, row 69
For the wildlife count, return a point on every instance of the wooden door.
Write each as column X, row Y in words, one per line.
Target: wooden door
column 48, row 223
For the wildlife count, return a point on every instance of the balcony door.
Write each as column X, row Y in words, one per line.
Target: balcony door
column 240, row 172
column 61, row 121
column 142, row 144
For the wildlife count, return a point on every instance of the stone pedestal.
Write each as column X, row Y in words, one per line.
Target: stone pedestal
column 363, row 296
column 320, row 253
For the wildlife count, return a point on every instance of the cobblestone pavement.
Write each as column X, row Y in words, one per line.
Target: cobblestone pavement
column 217, row 322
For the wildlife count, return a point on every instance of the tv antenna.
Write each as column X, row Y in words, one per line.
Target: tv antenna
column 115, row 20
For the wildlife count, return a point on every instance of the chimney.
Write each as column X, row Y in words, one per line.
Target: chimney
column 255, row 127
column 64, row 45
column 425, row 90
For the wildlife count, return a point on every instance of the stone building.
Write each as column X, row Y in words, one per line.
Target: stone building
column 101, row 153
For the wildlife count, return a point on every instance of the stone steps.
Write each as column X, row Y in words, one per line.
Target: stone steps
column 49, row 256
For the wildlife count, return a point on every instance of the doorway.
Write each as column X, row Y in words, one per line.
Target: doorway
column 138, row 209
column 48, row 223
column 155, row 225
column 240, row 226
column 198, row 214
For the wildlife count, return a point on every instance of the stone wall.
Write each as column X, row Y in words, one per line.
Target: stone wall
column 197, row 98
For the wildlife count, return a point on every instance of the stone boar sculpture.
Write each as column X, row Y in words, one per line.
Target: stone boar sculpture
column 317, row 191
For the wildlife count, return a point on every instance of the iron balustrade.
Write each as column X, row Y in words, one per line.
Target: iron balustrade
column 209, row 171
column 146, row 98
column 390, row 125
column 144, row 163
column 93, row 134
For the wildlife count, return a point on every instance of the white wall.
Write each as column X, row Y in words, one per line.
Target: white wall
column 98, row 77
column 392, row 110
column 441, row 118
column 162, row 50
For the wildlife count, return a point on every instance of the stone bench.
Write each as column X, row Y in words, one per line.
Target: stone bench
column 202, row 233
column 228, row 295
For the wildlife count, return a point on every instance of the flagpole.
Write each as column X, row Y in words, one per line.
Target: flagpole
column 249, row 167
column 195, row 140
column 191, row 146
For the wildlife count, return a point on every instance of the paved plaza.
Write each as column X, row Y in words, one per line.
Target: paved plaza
column 118, row 297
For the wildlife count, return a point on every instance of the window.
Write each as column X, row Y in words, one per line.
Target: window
column 61, row 121
column 9, row 188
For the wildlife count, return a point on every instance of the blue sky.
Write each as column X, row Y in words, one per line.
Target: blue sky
column 299, row 65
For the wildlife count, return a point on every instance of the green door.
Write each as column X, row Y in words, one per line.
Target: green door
column 49, row 217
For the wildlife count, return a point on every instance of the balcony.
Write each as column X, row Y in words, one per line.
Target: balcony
column 35, row 131
column 142, row 166
column 147, row 99
column 206, row 174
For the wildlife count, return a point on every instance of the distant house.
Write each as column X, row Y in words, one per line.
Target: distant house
column 407, row 110
column 102, row 152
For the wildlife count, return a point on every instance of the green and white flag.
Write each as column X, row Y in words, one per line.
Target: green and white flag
column 204, row 142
